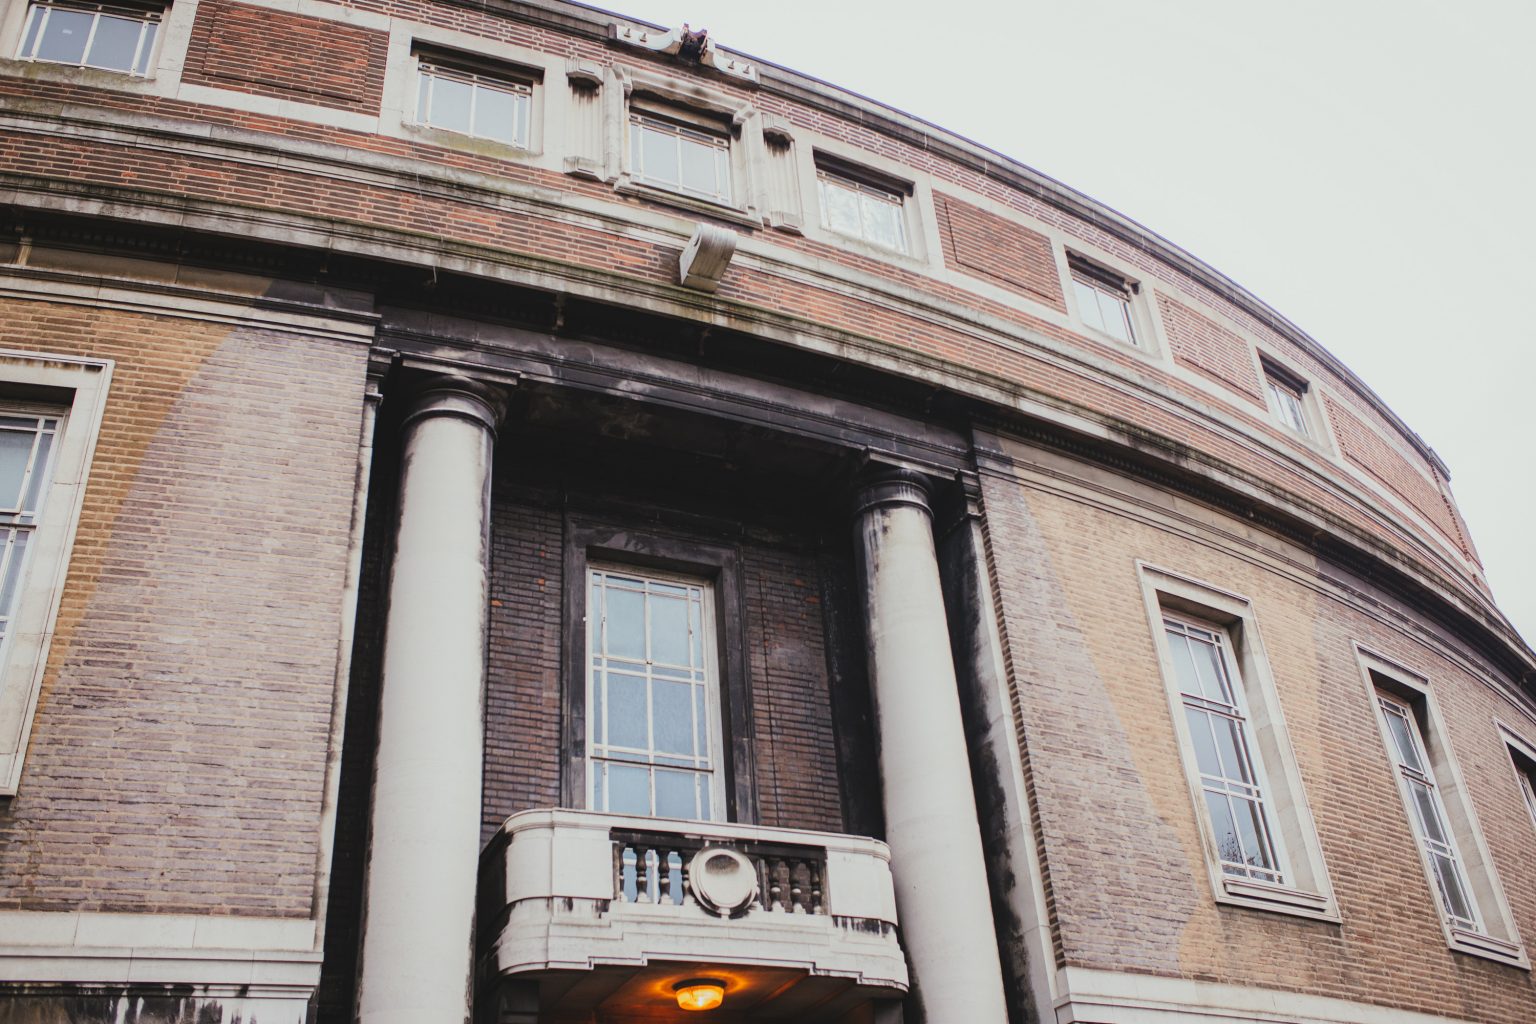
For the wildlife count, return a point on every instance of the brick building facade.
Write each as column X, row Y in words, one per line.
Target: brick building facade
column 510, row 510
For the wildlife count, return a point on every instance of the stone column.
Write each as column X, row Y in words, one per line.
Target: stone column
column 930, row 808
column 417, row 948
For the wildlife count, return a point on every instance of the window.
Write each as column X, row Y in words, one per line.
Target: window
column 653, row 726
column 105, row 36
column 1103, row 299
column 861, row 209
column 1261, row 847
column 460, row 97
column 680, row 158
column 1286, row 393
column 1523, row 755
column 1456, row 861
column 1218, row 728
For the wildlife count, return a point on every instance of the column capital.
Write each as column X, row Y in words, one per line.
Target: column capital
column 882, row 486
column 461, row 397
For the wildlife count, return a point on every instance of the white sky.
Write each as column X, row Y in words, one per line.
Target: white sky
column 1367, row 167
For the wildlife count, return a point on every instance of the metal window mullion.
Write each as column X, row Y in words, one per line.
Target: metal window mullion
column 42, row 29
column 90, row 39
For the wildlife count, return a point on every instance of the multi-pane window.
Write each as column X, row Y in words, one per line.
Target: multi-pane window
column 653, row 719
column 1234, row 792
column 474, row 103
column 1103, row 300
column 680, row 158
column 1285, row 399
column 106, row 36
column 1427, row 812
column 26, row 449
column 860, row 210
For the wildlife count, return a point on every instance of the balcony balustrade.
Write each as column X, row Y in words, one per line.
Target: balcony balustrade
column 584, row 913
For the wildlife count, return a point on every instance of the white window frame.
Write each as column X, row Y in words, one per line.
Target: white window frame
column 1289, row 399
column 1085, row 273
column 1304, row 888
column 708, row 665
column 144, row 54
column 432, row 68
column 77, row 389
column 643, row 123
column 1522, row 750
column 1495, row 936
column 867, row 191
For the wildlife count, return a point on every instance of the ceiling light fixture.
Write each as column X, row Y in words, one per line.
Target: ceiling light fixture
column 700, row 993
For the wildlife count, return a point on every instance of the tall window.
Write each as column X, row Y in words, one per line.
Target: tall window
column 1218, row 726
column 474, row 102
column 107, row 36
column 861, row 210
column 26, row 449
column 1417, row 781
column 653, row 702
column 680, row 158
column 1103, row 299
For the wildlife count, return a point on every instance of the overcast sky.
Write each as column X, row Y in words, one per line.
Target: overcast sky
column 1366, row 167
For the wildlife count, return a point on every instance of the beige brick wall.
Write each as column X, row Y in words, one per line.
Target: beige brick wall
column 1120, row 839
column 178, row 754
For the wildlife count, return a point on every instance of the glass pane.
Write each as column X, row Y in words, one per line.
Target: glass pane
column 1205, row 744
column 64, row 36
column 496, row 115
column 34, row 22
column 115, row 44
column 1212, row 672
column 1184, row 665
column 1456, row 902
column 1117, row 317
column 695, row 633
column 676, row 794
column 626, row 711
column 1429, row 814
column 15, row 451
column 842, row 209
column 597, row 705
column 883, row 221
column 1225, row 830
column 1234, row 756
column 423, row 98
column 658, row 156
column 1252, row 833
column 40, row 473
column 146, row 48
column 698, row 174
column 669, row 631
column 13, row 565
column 1088, row 305
column 673, row 717
column 626, row 624
column 629, row 789
column 450, row 104
column 1407, row 753
column 704, row 811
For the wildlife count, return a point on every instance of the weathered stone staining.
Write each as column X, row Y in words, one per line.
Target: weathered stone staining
column 513, row 515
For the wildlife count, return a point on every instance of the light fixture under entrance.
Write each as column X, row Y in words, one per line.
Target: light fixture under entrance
column 700, row 993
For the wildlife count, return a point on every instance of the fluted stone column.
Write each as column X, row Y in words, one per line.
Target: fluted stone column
column 418, row 925
column 930, row 808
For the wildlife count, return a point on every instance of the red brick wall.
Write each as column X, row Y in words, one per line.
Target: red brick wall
column 1207, row 347
column 178, row 755
column 985, row 245
column 288, row 56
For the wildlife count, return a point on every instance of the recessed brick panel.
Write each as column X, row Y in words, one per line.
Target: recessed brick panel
column 1210, row 349
column 286, row 56
column 991, row 247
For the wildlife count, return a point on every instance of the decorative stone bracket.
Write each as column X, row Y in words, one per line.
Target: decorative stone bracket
column 706, row 256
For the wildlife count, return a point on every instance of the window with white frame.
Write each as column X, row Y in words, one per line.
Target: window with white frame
column 1222, row 740
column 459, row 95
column 861, row 207
column 1287, row 397
column 1457, row 863
column 1524, row 757
column 1261, row 846
column 110, row 37
column 1103, row 298
column 653, row 696
column 683, row 158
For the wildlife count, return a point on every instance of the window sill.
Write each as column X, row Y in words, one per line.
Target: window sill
column 75, row 74
column 466, row 143
column 704, row 207
column 1488, row 947
column 1279, row 899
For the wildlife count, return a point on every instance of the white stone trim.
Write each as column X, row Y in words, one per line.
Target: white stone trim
column 170, row 934
column 37, row 605
column 1111, row 997
column 1307, row 891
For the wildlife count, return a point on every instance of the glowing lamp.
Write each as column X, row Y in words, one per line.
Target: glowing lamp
column 699, row 993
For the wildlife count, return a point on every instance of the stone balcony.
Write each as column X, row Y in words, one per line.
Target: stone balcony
column 597, row 916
